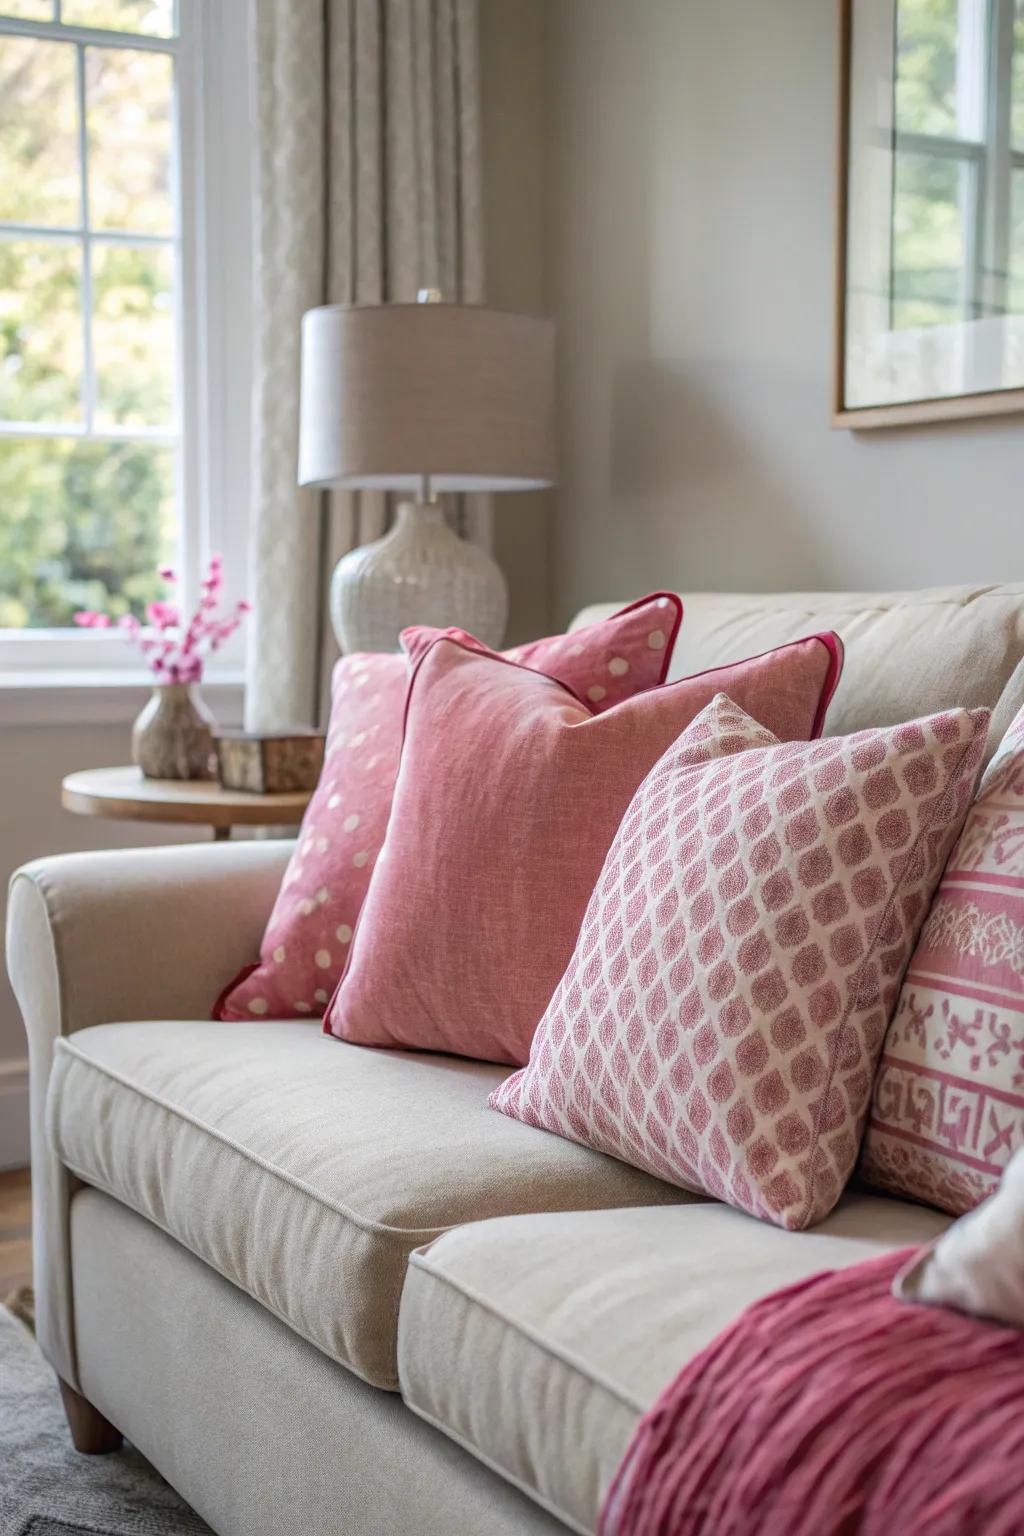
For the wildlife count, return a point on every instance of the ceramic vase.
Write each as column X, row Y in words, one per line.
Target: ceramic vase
column 173, row 736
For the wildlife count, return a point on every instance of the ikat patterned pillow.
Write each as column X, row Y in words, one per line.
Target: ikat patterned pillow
column 720, row 1020
column 307, row 940
column 948, row 1107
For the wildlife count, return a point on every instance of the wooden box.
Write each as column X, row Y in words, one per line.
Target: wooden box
column 269, row 765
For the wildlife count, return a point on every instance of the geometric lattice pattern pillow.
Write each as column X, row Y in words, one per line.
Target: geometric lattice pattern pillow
column 720, row 1020
column 307, row 939
column 948, row 1108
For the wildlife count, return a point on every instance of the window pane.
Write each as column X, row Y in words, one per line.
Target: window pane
column 133, row 335
column 40, row 331
column 28, row 10
column 154, row 17
column 38, row 132
column 83, row 525
column 128, row 106
column 929, row 279
column 940, row 69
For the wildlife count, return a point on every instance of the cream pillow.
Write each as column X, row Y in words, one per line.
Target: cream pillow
column 977, row 1266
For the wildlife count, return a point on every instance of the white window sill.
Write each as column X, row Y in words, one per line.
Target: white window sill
column 82, row 696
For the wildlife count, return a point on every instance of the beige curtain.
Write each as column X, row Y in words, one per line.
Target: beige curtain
column 368, row 170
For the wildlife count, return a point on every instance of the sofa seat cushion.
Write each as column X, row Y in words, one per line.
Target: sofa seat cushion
column 305, row 1170
column 538, row 1341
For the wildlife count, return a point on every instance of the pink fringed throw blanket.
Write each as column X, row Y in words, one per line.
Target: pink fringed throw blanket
column 830, row 1408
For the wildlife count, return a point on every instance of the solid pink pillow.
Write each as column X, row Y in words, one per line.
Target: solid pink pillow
column 948, row 1109
column 307, row 938
column 508, row 796
column 720, row 1019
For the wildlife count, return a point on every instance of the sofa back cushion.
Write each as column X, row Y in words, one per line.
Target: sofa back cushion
column 907, row 653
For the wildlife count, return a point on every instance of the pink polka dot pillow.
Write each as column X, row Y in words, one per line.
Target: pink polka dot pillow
column 509, row 793
column 310, row 929
column 721, row 1017
column 603, row 663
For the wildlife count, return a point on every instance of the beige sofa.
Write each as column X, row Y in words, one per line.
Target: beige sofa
column 325, row 1289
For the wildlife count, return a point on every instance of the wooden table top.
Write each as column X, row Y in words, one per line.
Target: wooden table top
column 126, row 795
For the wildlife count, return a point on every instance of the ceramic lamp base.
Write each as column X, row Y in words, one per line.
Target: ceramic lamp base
column 420, row 572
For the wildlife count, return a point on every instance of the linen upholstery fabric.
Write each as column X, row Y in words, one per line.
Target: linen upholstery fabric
column 302, row 1171
column 948, row 1108
column 538, row 1341
column 99, row 936
column 259, row 1431
column 907, row 653
column 978, row 1264
column 306, row 943
column 725, row 1005
column 508, row 795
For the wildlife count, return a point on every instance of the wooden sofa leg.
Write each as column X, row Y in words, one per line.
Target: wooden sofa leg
column 91, row 1433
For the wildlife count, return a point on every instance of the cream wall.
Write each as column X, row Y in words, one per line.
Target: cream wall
column 513, row 44
column 690, row 247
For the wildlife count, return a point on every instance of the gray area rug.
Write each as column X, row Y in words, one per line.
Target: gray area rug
column 46, row 1487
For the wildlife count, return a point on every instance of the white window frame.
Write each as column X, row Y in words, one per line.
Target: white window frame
column 214, row 352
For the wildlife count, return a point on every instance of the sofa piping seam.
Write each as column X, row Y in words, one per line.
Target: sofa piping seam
column 557, row 1351
column 103, row 1188
column 363, row 1223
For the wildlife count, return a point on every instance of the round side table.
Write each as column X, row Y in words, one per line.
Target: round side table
column 124, row 794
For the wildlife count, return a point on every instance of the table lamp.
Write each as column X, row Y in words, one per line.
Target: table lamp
column 424, row 398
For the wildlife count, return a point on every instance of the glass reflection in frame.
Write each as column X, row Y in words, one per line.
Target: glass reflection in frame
column 931, row 307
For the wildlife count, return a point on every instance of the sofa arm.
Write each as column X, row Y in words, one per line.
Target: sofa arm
column 94, row 938
column 139, row 933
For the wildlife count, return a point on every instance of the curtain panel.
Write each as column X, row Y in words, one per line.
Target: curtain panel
column 368, row 187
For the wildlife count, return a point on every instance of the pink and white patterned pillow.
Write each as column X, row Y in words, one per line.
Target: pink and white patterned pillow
column 307, row 939
column 948, row 1108
column 719, row 1022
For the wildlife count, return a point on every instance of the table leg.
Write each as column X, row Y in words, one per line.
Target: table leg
column 221, row 834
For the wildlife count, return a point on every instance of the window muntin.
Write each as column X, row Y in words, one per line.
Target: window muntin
column 153, row 18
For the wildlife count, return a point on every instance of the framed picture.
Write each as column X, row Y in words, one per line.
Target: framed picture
column 930, row 227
